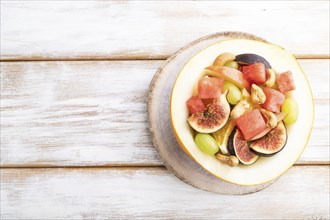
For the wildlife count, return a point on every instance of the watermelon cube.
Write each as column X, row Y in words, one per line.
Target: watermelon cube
column 285, row 82
column 274, row 100
column 251, row 124
column 195, row 104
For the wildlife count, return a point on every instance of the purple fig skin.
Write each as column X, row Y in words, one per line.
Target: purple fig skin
column 248, row 157
column 230, row 145
column 263, row 155
column 275, row 152
column 250, row 58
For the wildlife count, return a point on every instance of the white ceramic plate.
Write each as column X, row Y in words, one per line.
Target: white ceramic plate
column 265, row 169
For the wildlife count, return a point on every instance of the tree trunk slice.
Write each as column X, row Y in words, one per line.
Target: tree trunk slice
column 175, row 159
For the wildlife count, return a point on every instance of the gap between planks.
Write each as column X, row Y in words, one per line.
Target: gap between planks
column 111, row 167
column 119, row 166
column 114, row 166
column 130, row 58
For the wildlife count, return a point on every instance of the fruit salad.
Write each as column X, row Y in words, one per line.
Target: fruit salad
column 240, row 108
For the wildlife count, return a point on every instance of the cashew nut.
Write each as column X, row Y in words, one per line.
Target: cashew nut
column 270, row 74
column 229, row 160
column 239, row 109
column 257, row 95
column 270, row 117
column 223, row 58
column 246, row 95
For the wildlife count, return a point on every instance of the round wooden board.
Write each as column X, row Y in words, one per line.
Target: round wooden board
column 175, row 159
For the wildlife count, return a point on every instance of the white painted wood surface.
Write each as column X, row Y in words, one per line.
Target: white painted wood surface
column 94, row 113
column 153, row 29
column 149, row 193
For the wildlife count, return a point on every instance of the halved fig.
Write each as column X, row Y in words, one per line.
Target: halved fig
column 240, row 148
column 250, row 58
column 272, row 143
column 261, row 134
column 214, row 117
column 279, row 117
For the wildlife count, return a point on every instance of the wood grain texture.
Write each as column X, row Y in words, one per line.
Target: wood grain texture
column 62, row 114
column 47, row 30
column 94, row 113
column 87, row 110
column 149, row 193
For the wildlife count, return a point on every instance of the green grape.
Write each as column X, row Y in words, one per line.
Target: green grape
column 234, row 95
column 231, row 64
column 206, row 143
column 290, row 106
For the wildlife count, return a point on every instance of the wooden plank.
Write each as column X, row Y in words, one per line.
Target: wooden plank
column 47, row 30
column 94, row 113
column 155, row 193
column 84, row 110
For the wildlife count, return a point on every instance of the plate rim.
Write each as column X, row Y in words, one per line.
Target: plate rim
column 191, row 156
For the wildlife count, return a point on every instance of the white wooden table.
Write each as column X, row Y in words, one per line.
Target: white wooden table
column 75, row 142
